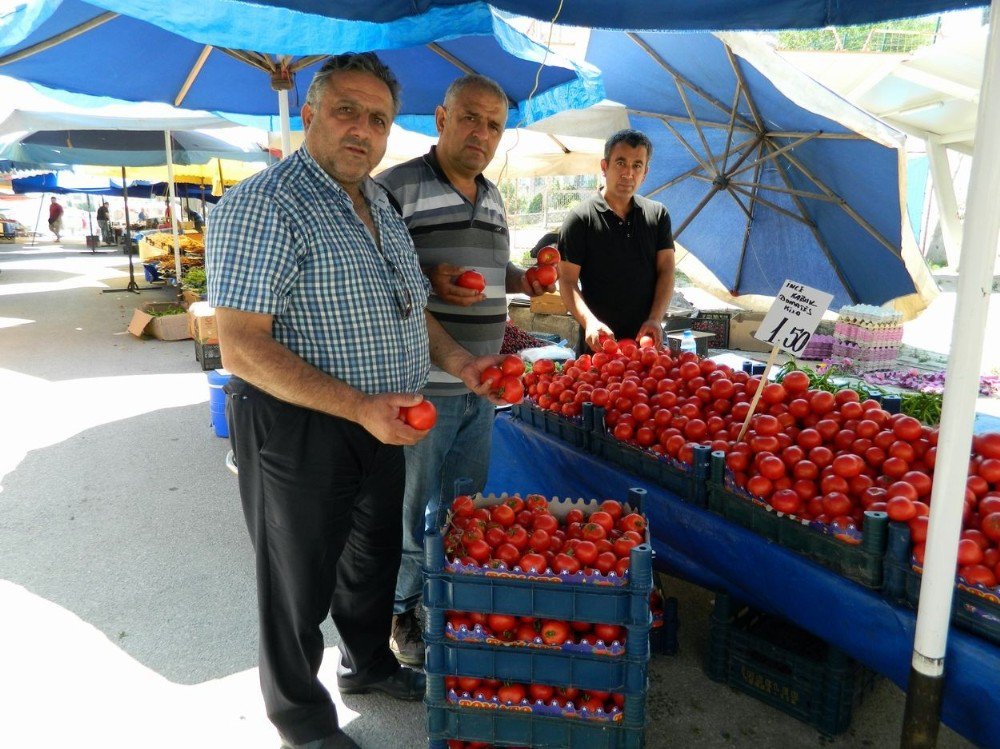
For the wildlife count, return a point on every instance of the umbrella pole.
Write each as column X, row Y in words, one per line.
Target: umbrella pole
column 90, row 225
column 173, row 213
column 958, row 411
column 37, row 219
column 132, row 285
column 286, row 134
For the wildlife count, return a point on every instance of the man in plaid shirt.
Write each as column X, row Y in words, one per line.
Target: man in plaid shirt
column 320, row 307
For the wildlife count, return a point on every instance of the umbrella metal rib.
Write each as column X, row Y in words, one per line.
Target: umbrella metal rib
column 746, row 230
column 53, row 41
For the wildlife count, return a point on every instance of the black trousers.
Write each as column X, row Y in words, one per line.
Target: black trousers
column 323, row 501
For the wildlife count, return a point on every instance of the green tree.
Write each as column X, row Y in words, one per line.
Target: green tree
column 901, row 36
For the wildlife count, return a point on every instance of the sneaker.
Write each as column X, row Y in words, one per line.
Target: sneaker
column 406, row 640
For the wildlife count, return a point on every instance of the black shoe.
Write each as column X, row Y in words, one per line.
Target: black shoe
column 339, row 740
column 404, row 684
column 406, row 640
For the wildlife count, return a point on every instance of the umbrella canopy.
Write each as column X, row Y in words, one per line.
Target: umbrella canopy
column 56, row 184
column 301, row 20
column 767, row 175
column 121, row 148
column 65, row 45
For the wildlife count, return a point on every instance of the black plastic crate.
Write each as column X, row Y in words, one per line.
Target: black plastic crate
column 974, row 608
column 861, row 562
column 208, row 354
column 784, row 666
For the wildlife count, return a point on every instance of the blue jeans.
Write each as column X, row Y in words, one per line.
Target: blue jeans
column 457, row 447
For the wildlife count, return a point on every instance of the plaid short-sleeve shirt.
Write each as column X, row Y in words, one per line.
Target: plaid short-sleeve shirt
column 288, row 243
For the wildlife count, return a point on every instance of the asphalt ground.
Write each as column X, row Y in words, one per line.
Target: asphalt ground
column 127, row 615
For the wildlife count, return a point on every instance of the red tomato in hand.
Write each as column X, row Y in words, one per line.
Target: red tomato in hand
column 547, row 274
column 471, row 280
column 511, row 389
column 491, row 373
column 512, row 365
column 421, row 416
column 548, row 255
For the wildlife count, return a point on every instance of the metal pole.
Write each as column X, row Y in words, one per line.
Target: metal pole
column 286, row 134
column 173, row 213
column 979, row 245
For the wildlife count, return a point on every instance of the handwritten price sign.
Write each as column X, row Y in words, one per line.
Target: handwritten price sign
column 793, row 317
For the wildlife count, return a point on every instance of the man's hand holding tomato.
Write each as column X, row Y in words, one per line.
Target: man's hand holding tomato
column 471, row 374
column 443, row 279
column 532, row 284
column 380, row 415
column 653, row 329
column 595, row 332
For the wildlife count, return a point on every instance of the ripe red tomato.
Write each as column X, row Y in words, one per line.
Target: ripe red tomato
column 969, row 552
column 907, row 428
column 987, row 445
column 511, row 694
column 471, row 279
column 609, row 633
column 787, row 501
column 565, row 563
column 421, row 416
column 633, row 522
column 512, row 365
column 796, row 382
column 541, row 692
column 511, row 389
column 547, row 274
column 532, row 562
column 848, row 465
column 990, row 526
column 773, row 393
column 548, row 255
column 554, row 632
column 491, row 373
column 978, row 574
column 901, row 508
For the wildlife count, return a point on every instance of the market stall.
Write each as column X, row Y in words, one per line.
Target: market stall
column 695, row 544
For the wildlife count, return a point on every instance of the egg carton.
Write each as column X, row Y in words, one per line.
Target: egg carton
column 870, row 315
column 865, row 354
column 868, row 336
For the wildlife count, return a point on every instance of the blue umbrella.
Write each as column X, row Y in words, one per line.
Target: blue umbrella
column 85, row 49
column 122, row 148
column 760, row 188
column 301, row 21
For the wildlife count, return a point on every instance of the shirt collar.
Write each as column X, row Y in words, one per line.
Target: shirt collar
column 372, row 192
column 432, row 161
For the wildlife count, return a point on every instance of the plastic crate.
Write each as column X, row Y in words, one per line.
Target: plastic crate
column 572, row 431
column 974, row 608
column 686, row 482
column 446, row 720
column 860, row 561
column 783, row 666
column 624, row 673
column 622, row 601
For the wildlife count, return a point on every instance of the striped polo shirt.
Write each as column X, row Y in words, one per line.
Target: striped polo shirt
column 447, row 228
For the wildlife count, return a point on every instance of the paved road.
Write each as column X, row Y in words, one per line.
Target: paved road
column 126, row 585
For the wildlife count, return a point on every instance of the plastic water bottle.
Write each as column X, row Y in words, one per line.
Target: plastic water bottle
column 688, row 343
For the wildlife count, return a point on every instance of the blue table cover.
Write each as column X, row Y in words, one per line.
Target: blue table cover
column 695, row 544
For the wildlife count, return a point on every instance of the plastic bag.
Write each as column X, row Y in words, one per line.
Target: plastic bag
column 559, row 353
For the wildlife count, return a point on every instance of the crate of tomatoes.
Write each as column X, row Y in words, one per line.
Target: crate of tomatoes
column 539, row 616
column 847, row 551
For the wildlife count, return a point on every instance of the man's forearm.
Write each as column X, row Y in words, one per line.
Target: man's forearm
column 513, row 281
column 446, row 353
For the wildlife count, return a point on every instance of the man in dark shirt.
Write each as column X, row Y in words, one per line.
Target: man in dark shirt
column 617, row 271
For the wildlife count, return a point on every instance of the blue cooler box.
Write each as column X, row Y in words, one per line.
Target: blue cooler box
column 217, row 378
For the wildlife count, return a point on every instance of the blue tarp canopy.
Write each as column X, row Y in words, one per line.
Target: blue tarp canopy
column 50, row 183
column 292, row 25
column 65, row 45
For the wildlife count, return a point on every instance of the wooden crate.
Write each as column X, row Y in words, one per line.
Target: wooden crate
column 550, row 303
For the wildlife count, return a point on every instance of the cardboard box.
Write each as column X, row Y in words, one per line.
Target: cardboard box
column 742, row 326
column 166, row 328
column 201, row 323
column 550, row 303
column 190, row 297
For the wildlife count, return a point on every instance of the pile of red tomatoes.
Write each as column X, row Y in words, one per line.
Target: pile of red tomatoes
column 815, row 455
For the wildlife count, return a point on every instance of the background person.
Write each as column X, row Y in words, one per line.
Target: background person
column 457, row 220
column 55, row 219
column 320, row 306
column 617, row 269
column 104, row 221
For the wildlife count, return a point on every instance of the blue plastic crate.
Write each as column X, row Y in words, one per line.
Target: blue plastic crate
column 625, row 673
column 507, row 727
column 573, row 431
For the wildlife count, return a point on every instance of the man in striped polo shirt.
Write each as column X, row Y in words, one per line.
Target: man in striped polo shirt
column 457, row 220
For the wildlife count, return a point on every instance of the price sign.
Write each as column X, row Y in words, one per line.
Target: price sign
column 793, row 317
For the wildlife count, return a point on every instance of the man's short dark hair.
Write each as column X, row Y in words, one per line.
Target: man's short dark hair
column 362, row 62
column 631, row 138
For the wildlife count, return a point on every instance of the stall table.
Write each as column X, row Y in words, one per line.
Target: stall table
column 695, row 544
